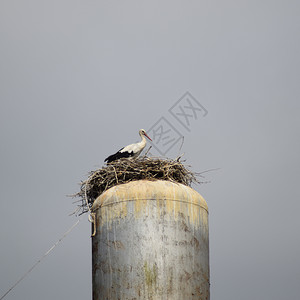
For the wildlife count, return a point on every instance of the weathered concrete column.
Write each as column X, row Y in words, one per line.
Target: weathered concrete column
column 151, row 243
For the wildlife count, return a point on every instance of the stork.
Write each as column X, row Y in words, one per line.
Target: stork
column 132, row 150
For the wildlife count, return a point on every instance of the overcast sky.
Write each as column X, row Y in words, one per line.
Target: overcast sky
column 78, row 79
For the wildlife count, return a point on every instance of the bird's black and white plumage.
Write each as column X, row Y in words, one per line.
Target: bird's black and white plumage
column 132, row 150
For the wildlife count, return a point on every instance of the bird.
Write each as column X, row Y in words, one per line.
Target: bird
column 130, row 151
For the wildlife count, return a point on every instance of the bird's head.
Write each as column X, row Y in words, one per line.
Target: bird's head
column 143, row 132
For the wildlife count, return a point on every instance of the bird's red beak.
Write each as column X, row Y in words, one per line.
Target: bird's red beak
column 146, row 135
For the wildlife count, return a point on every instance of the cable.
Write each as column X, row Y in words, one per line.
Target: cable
column 44, row 256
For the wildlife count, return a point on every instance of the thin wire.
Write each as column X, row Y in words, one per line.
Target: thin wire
column 92, row 215
column 46, row 253
column 85, row 193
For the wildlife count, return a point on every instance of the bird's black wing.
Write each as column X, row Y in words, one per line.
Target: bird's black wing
column 118, row 155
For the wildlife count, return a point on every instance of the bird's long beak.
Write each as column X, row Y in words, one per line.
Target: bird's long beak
column 146, row 135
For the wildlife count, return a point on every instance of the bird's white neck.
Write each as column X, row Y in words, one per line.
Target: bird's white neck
column 143, row 141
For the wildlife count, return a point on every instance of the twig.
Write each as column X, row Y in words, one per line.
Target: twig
column 181, row 145
column 147, row 151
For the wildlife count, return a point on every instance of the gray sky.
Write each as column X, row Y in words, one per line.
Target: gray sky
column 80, row 78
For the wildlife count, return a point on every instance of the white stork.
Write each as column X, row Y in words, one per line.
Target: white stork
column 132, row 150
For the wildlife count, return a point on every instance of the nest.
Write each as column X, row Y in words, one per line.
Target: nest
column 126, row 170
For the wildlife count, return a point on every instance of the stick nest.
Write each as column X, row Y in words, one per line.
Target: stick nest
column 126, row 170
